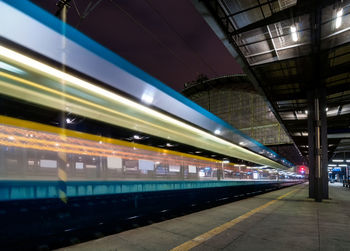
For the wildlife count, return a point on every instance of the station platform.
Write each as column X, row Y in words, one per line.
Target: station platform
column 285, row 219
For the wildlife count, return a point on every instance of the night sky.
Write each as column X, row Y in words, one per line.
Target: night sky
column 168, row 39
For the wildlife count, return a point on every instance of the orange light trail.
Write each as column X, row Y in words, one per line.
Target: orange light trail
column 24, row 138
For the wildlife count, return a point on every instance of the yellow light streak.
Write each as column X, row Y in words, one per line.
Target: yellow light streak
column 106, row 150
column 36, row 66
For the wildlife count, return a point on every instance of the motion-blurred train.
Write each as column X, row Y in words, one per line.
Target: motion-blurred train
column 87, row 139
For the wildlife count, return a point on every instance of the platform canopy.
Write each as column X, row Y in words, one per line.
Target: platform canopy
column 287, row 47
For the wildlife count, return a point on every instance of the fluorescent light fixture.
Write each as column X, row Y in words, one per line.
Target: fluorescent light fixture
column 338, row 18
column 242, row 143
column 338, row 160
column 69, row 121
column 147, row 98
column 217, row 132
column 225, row 161
column 348, row 160
column 293, row 30
column 345, row 165
column 169, row 145
column 7, row 67
column 332, row 165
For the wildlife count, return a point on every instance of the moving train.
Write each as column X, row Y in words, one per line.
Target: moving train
column 31, row 154
column 89, row 140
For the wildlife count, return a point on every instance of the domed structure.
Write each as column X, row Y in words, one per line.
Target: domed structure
column 234, row 99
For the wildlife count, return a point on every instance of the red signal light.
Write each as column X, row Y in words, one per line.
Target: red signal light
column 302, row 169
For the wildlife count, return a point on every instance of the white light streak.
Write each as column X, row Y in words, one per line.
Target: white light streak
column 293, row 30
column 338, row 20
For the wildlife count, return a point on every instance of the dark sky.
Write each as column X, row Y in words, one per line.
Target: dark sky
column 168, row 39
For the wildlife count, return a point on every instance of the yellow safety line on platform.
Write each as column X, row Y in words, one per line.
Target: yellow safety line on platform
column 215, row 231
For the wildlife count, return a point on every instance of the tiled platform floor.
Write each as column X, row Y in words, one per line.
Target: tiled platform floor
column 267, row 222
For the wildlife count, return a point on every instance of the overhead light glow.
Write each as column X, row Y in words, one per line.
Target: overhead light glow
column 338, row 18
column 348, row 160
column 217, row 132
column 332, row 165
column 338, row 160
column 344, row 165
column 225, row 161
column 293, row 30
column 146, row 98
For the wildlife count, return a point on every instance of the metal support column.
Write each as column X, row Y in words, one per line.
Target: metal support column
column 318, row 145
column 324, row 143
column 311, row 143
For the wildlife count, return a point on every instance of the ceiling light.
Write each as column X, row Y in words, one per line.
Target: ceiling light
column 169, row 145
column 225, row 161
column 332, row 165
column 293, row 30
column 339, row 18
column 338, row 160
column 343, row 165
